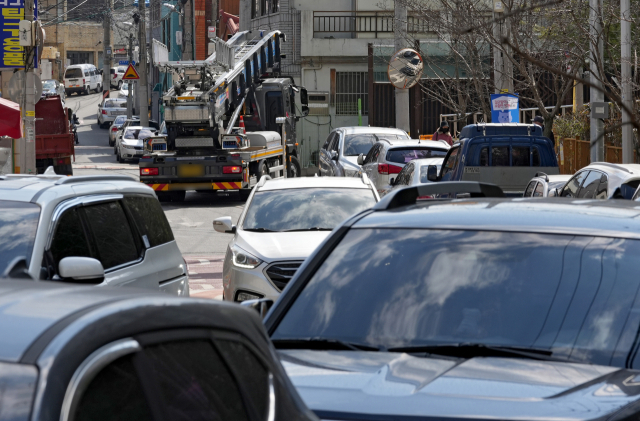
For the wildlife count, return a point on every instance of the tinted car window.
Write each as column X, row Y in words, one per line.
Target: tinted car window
column 304, row 209
column 520, row 156
column 111, row 234
column 149, row 219
column 601, row 193
column 356, row 144
column 195, row 383
column 406, row 287
column 529, row 190
column 404, row 155
column 572, row 187
column 590, row 185
column 18, row 225
column 373, row 154
column 115, row 394
column 115, row 104
column 539, row 191
column 500, row 156
column 450, row 162
column 69, row 238
column 73, row 73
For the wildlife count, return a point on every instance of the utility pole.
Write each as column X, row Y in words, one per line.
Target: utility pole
column 502, row 67
column 28, row 149
column 595, row 35
column 142, row 53
column 627, row 94
column 130, row 83
column 400, row 42
column 106, row 55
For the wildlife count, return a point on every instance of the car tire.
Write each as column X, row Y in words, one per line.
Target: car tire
column 118, row 157
column 294, row 169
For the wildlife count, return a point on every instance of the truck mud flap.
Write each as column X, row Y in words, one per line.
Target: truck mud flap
column 233, row 185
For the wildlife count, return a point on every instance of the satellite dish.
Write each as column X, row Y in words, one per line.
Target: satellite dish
column 16, row 86
column 405, row 68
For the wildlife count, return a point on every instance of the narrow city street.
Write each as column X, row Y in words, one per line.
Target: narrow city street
column 191, row 221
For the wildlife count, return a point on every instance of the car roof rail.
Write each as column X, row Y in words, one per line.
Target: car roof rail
column 263, row 180
column 612, row 165
column 410, row 195
column 94, row 178
column 543, row 175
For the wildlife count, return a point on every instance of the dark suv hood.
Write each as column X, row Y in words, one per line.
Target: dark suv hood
column 352, row 385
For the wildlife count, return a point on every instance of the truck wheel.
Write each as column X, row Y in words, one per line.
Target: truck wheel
column 294, row 169
column 264, row 170
column 163, row 196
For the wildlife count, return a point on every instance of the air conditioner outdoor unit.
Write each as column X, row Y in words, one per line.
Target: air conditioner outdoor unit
column 318, row 103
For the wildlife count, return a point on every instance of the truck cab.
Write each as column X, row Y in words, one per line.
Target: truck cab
column 508, row 155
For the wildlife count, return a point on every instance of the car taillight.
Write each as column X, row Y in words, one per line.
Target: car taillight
column 83, row 81
column 148, row 171
column 383, row 169
column 104, row 112
column 232, row 169
column 115, row 76
column 114, row 129
column 394, row 169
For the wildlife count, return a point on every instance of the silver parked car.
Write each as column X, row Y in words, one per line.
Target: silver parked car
column 109, row 109
column 414, row 173
column 51, row 87
column 544, row 185
column 130, row 146
column 387, row 158
column 339, row 155
column 101, row 230
column 115, row 128
column 602, row 180
column 283, row 221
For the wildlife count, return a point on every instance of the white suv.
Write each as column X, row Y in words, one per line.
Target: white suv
column 283, row 221
column 387, row 158
column 102, row 230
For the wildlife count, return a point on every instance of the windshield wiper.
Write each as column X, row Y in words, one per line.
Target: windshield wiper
column 471, row 350
column 310, row 229
column 258, row 230
column 321, row 344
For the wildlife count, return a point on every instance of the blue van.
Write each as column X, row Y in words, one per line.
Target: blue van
column 508, row 155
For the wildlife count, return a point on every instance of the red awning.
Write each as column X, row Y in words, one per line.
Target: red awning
column 10, row 119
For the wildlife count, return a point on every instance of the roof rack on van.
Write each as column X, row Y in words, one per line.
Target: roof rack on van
column 409, row 195
column 92, row 178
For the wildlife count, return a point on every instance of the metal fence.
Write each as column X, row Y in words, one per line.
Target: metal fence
column 370, row 23
column 351, row 86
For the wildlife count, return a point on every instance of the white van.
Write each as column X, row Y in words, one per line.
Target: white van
column 82, row 78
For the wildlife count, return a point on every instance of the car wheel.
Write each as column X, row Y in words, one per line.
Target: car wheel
column 294, row 169
column 118, row 158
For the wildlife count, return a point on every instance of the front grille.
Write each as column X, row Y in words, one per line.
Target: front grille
column 137, row 148
column 280, row 273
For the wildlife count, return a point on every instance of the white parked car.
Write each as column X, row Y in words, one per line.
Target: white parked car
column 412, row 174
column 109, row 109
column 124, row 89
column 101, row 230
column 116, row 76
column 283, row 221
column 82, row 79
column 387, row 158
column 130, row 146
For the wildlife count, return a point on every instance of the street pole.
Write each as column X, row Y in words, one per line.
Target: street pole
column 400, row 42
column 106, row 55
column 142, row 53
column 29, row 108
column 627, row 95
column 595, row 32
column 129, row 83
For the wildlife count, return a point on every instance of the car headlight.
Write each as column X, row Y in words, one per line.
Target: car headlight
column 128, row 146
column 242, row 259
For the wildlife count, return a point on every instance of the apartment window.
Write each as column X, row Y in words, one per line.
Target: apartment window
column 255, row 8
column 351, row 86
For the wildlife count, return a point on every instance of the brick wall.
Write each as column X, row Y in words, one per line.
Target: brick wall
column 201, row 29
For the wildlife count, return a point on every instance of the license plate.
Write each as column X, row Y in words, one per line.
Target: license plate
column 190, row 170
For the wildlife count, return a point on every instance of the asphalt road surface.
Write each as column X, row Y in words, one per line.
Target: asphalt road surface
column 191, row 221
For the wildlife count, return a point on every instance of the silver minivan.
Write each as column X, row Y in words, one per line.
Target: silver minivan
column 82, row 78
column 99, row 230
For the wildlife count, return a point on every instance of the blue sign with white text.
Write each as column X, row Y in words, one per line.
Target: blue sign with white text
column 505, row 108
column 126, row 62
column 12, row 54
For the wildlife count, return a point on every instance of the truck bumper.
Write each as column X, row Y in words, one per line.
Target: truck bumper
column 221, row 185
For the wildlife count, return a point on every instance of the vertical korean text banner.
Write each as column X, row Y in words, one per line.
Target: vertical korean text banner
column 12, row 54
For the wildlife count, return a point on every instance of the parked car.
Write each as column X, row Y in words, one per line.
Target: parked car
column 51, row 87
column 101, row 230
column 412, row 174
column 116, row 76
column 543, row 185
column 109, row 109
column 123, row 91
column 133, row 121
column 387, row 158
column 130, row 145
column 82, row 79
column 282, row 222
column 85, row 354
column 115, row 128
column 339, row 154
column 602, row 180
column 441, row 309
column 508, row 155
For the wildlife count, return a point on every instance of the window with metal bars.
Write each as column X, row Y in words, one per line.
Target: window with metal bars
column 351, row 87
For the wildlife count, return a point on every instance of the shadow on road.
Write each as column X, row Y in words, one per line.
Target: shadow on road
column 212, row 199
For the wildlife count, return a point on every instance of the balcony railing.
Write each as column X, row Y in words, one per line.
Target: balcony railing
column 362, row 24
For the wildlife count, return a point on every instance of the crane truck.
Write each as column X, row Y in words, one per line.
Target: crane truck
column 206, row 147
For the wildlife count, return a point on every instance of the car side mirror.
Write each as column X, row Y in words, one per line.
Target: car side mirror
column 360, row 159
column 334, row 155
column 304, row 102
column 432, row 173
column 84, row 269
column 224, row 225
column 262, row 305
column 392, row 181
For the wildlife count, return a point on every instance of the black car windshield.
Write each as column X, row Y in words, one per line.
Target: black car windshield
column 356, row 144
column 577, row 296
column 139, row 133
column 404, row 155
column 71, row 73
column 115, row 104
column 18, row 225
column 305, row 209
